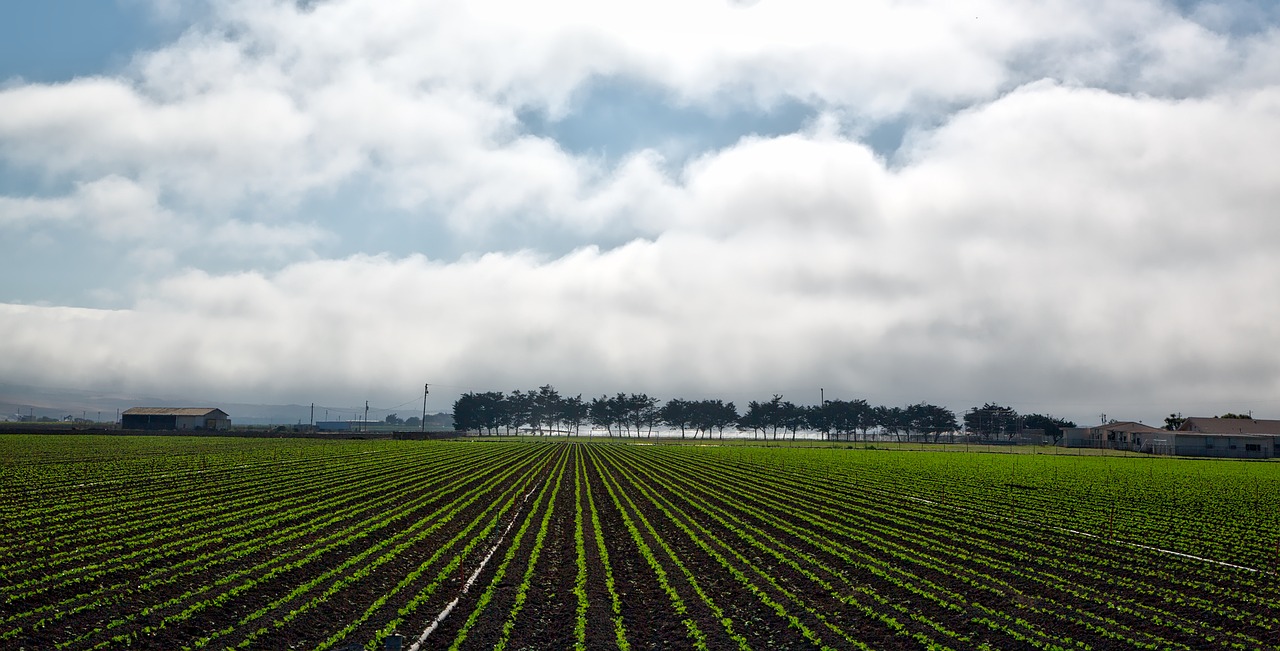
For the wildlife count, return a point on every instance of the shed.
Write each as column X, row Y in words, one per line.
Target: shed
column 174, row 418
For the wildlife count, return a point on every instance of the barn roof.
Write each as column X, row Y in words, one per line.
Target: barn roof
column 1231, row 426
column 173, row 411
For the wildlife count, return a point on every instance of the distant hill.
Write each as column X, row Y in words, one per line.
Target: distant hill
column 24, row 400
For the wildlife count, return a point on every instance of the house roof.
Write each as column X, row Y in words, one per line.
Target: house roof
column 174, row 411
column 1125, row 426
column 1231, row 426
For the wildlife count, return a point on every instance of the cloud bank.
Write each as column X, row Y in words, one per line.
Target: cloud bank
column 1078, row 217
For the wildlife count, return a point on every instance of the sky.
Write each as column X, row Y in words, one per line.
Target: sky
column 1063, row 206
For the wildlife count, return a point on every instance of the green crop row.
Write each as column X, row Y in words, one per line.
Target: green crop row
column 231, row 543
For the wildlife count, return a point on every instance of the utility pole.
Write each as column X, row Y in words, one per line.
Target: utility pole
column 365, row 426
column 822, row 396
column 426, row 389
column 313, row 414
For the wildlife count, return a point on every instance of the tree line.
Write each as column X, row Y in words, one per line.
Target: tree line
column 544, row 411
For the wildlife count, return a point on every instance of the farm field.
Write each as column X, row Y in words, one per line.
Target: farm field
column 174, row 542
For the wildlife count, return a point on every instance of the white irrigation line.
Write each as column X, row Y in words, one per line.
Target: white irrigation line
column 435, row 623
column 1096, row 536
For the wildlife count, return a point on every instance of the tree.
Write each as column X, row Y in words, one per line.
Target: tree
column 864, row 414
column 392, row 419
column 480, row 412
column 992, row 421
column 841, row 419
column 1239, row 416
column 820, row 418
column 721, row 414
column 1051, row 426
column 926, row 419
column 602, row 413
column 466, row 413
column 791, row 417
column 413, row 421
column 519, row 410
column 701, row 417
column 678, row 413
column 545, row 408
column 573, row 413
column 642, row 412
column 896, row 421
column 1174, row 421
column 755, row 419
column 773, row 414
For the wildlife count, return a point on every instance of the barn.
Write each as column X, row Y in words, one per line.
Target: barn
column 171, row 418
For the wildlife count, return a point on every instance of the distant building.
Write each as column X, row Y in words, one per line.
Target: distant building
column 1121, row 435
column 169, row 418
column 1238, row 438
column 1247, row 438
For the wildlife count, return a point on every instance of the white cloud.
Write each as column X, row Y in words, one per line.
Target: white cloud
column 1106, row 230
column 239, row 239
column 962, row 276
column 115, row 207
column 120, row 210
column 270, row 102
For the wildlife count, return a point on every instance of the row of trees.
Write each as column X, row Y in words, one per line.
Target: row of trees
column 544, row 411
column 993, row 422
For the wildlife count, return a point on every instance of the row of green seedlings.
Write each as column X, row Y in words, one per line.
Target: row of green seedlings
column 694, row 634
column 52, row 510
column 53, row 464
column 1002, row 590
column 359, row 566
column 131, row 519
column 716, row 548
column 452, row 567
column 1167, row 524
column 522, row 590
column 492, row 475
column 281, row 563
column 76, row 528
column 579, row 556
column 1170, row 573
column 473, row 533
column 890, row 572
column 206, row 520
column 615, row 600
column 725, row 552
column 146, row 551
column 721, row 510
column 206, row 552
column 232, row 584
column 997, row 626
column 1011, row 569
column 1022, row 535
column 1223, row 520
column 1171, row 579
